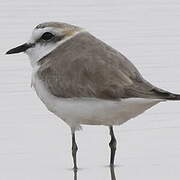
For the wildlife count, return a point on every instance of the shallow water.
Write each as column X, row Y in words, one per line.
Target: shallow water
column 34, row 144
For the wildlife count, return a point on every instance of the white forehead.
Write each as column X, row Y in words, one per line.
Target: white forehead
column 37, row 33
column 39, row 50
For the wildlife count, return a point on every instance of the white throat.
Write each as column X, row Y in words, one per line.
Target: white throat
column 39, row 51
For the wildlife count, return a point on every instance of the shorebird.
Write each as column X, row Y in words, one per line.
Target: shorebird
column 82, row 80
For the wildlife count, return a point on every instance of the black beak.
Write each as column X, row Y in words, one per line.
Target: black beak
column 21, row 48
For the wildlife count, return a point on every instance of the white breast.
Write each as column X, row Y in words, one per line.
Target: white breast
column 92, row 111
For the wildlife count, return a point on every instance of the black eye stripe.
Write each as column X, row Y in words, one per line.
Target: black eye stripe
column 59, row 38
column 47, row 36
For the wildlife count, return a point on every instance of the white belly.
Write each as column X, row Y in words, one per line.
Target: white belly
column 92, row 111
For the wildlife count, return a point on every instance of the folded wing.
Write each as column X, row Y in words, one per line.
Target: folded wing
column 86, row 67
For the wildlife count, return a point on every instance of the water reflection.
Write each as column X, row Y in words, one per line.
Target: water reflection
column 75, row 174
column 112, row 172
column 113, row 175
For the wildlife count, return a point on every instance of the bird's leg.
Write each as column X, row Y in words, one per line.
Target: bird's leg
column 112, row 145
column 74, row 149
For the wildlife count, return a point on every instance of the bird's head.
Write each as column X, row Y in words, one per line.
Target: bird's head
column 45, row 38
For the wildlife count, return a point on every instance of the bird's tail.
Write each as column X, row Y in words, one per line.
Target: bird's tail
column 166, row 95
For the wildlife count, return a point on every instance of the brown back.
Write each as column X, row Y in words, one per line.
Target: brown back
column 86, row 67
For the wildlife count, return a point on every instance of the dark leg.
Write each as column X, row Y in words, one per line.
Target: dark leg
column 112, row 145
column 74, row 149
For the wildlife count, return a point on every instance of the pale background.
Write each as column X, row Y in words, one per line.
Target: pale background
column 35, row 145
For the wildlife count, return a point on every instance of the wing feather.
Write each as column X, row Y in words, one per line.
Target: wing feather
column 86, row 67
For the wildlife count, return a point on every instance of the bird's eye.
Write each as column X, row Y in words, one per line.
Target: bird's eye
column 47, row 36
